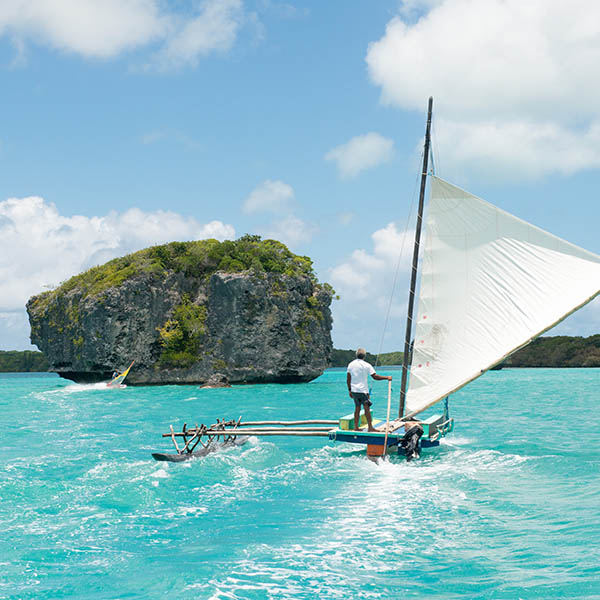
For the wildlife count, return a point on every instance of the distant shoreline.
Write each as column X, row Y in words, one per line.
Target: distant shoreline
column 559, row 351
column 22, row 361
column 552, row 351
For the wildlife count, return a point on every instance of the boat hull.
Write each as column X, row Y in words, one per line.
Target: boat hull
column 434, row 428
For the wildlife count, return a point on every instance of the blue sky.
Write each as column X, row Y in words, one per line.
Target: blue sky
column 128, row 123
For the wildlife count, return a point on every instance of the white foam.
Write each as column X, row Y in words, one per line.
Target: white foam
column 161, row 473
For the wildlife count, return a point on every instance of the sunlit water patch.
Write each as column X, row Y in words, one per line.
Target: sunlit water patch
column 506, row 507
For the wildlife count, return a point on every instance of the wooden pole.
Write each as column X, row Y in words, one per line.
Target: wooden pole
column 188, row 442
column 314, row 422
column 234, row 431
column 271, row 432
column 415, row 263
column 172, row 435
column 242, row 431
column 387, row 420
column 184, row 429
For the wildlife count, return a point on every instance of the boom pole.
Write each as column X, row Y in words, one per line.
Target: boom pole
column 413, row 277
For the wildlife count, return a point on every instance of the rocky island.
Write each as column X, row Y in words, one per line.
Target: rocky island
column 248, row 309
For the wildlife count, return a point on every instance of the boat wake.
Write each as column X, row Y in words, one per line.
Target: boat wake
column 80, row 388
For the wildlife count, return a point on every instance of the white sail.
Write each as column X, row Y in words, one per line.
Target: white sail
column 490, row 283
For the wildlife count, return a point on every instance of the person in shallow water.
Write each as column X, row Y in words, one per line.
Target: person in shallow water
column 357, row 379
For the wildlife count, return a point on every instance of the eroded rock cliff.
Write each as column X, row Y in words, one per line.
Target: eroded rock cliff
column 248, row 309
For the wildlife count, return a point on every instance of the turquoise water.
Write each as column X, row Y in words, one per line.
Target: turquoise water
column 507, row 507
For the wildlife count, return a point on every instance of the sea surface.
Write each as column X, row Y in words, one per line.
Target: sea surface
column 507, row 507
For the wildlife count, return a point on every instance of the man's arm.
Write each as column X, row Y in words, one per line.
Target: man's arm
column 348, row 383
column 381, row 377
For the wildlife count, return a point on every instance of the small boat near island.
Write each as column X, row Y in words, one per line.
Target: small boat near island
column 490, row 283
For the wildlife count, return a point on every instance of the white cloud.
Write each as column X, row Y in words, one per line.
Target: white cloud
column 215, row 29
column 366, row 274
column 14, row 331
column 277, row 198
column 411, row 7
column 108, row 28
column 506, row 74
column 86, row 27
column 365, row 283
column 217, row 230
column 270, row 196
column 40, row 248
column 523, row 149
column 360, row 153
column 292, row 231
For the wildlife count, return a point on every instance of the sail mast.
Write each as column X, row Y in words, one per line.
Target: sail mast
column 413, row 277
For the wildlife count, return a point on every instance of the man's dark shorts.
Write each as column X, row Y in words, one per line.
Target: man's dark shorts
column 361, row 398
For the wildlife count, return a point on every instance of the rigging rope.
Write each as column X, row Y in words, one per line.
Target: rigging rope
column 389, row 308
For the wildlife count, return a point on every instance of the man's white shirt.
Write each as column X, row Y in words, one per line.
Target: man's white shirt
column 359, row 375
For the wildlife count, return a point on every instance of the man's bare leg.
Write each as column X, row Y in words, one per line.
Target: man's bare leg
column 369, row 420
column 356, row 416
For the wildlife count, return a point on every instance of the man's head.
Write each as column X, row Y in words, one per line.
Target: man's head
column 361, row 353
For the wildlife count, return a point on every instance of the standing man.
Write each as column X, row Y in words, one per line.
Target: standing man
column 357, row 378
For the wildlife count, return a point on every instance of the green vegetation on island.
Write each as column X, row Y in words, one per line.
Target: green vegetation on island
column 26, row 361
column 198, row 259
column 181, row 336
column 341, row 358
column 558, row 351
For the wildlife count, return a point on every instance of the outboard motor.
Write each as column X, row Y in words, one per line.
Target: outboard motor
column 410, row 442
